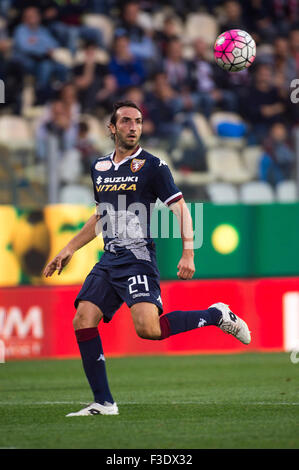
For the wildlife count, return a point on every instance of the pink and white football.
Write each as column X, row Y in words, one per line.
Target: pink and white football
column 234, row 50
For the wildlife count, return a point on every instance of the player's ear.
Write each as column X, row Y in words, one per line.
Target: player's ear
column 112, row 129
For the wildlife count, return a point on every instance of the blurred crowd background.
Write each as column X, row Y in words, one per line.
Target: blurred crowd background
column 227, row 137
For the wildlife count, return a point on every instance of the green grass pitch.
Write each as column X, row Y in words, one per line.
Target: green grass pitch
column 166, row 402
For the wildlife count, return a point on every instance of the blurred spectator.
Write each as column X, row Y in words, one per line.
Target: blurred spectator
column 11, row 71
column 141, row 43
column 68, row 97
column 64, row 19
column 86, row 147
column 136, row 94
column 107, row 95
column 127, row 69
column 177, row 68
column 284, row 65
column 34, row 46
column 204, row 73
column 167, row 113
column 294, row 46
column 58, row 124
column 5, row 5
column 103, row 7
column 283, row 13
column 277, row 161
column 262, row 104
column 169, row 30
column 184, row 7
column 89, row 76
column 233, row 14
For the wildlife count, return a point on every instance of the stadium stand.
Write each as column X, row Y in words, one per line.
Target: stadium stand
column 286, row 191
column 256, row 192
column 222, row 193
column 231, row 144
column 76, row 194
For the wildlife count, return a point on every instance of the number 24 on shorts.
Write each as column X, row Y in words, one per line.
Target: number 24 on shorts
column 137, row 281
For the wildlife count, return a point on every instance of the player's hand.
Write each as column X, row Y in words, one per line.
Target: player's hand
column 59, row 262
column 186, row 267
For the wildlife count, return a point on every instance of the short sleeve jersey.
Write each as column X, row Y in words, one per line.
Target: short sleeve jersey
column 125, row 195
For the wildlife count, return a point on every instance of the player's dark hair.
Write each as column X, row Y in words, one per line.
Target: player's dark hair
column 122, row 104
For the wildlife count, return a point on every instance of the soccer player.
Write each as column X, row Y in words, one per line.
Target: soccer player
column 126, row 182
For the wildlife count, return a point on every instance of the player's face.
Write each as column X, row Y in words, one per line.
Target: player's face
column 128, row 127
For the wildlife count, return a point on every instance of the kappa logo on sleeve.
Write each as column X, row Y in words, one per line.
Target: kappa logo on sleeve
column 137, row 164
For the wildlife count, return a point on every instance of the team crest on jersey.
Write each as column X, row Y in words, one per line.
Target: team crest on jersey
column 104, row 165
column 136, row 164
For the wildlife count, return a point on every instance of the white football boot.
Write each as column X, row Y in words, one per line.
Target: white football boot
column 230, row 323
column 97, row 409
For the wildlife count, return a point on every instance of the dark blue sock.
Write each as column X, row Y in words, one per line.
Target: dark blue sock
column 93, row 360
column 177, row 322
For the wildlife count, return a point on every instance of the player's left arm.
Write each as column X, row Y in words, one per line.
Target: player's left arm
column 186, row 267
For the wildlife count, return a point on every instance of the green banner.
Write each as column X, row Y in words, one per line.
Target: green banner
column 226, row 251
column 231, row 241
column 276, row 241
column 240, row 241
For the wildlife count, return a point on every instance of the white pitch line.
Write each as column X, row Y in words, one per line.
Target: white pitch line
column 44, row 403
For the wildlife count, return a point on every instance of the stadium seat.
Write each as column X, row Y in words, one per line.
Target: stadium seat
column 228, row 118
column 15, row 133
column 145, row 20
column 201, row 25
column 195, row 178
column 222, row 193
column 256, row 192
column 159, row 17
column 226, row 165
column 204, row 129
column 33, row 114
column 63, row 56
column 192, row 178
column 70, row 166
column 98, row 132
column 286, row 191
column 102, row 57
column 103, row 23
column 76, row 194
column 251, row 157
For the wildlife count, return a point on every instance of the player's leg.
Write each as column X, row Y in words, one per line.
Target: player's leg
column 143, row 295
column 85, row 324
column 146, row 320
column 88, row 315
column 149, row 325
column 218, row 314
column 97, row 299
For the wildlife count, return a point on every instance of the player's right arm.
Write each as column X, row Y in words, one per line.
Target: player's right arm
column 84, row 236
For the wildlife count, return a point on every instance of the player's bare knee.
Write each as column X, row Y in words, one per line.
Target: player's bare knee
column 148, row 332
column 79, row 320
column 87, row 316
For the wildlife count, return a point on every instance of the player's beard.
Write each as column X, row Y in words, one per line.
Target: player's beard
column 122, row 143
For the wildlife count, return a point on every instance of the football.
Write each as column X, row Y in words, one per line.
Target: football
column 234, row 50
